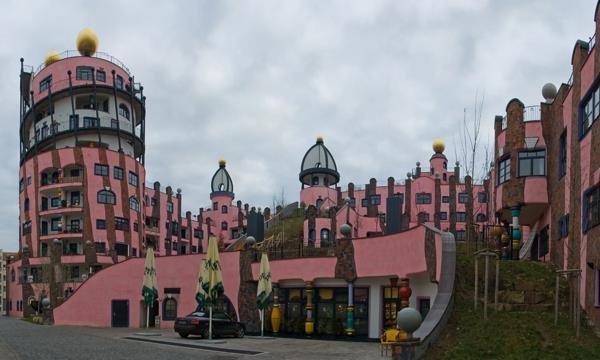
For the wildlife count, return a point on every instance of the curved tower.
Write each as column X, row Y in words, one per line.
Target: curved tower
column 318, row 175
column 81, row 187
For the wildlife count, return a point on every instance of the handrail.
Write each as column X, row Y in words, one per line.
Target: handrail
column 100, row 55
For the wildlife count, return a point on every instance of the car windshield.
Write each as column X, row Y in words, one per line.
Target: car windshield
column 198, row 314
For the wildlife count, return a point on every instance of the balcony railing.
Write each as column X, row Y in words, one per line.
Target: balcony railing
column 65, row 229
column 530, row 113
column 61, row 180
column 100, row 55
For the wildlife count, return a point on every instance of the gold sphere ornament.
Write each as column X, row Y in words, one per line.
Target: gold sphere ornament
column 87, row 42
column 438, row 146
column 319, row 139
column 222, row 162
column 51, row 57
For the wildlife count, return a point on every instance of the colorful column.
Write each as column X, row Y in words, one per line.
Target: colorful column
column 309, row 325
column 404, row 292
column 350, row 310
column 516, row 232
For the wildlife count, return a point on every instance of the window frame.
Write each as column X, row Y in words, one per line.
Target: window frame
column 463, row 197
column 135, row 202
column 423, row 198
column 101, row 169
column 107, row 195
column 100, row 224
column 84, row 73
column 99, row 77
column 463, row 216
column 133, row 179
column 530, row 156
column 562, row 154
column 121, row 223
column 503, row 172
column 46, row 83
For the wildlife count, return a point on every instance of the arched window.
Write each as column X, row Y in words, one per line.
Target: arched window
column 311, row 237
column 319, row 203
column 481, row 217
column 134, row 204
column 123, row 111
column 445, row 165
column 224, row 225
column 315, row 180
column 106, row 197
column 224, row 209
column 325, row 240
column 169, row 309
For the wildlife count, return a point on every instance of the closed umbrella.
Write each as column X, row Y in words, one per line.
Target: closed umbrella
column 263, row 295
column 149, row 286
column 200, row 293
column 212, row 282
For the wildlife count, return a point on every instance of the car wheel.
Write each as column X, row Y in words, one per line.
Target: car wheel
column 184, row 335
column 240, row 332
column 205, row 334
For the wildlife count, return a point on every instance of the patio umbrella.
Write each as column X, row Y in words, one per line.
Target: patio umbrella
column 212, row 283
column 263, row 294
column 149, row 286
column 200, row 293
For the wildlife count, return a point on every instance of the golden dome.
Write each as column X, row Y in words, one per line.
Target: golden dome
column 87, row 42
column 52, row 57
column 319, row 139
column 222, row 162
column 438, row 146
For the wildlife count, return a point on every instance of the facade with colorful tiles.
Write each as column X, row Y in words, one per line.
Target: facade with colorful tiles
column 545, row 183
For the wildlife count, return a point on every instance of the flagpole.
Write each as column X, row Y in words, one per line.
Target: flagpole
column 262, row 322
column 210, row 322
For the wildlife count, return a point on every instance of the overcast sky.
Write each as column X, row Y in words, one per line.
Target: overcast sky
column 254, row 82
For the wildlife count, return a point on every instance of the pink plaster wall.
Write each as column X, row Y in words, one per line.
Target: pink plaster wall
column 123, row 281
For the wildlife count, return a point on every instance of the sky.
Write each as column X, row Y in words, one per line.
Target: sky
column 255, row 82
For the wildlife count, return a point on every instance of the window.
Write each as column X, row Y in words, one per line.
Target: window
column 153, row 202
column 83, row 73
column 73, row 122
column 481, row 217
column 482, row 197
column 532, row 163
column 114, row 123
column 170, row 309
column 46, row 83
column 562, row 155
column 100, row 247
column 224, row 209
column 121, row 223
column 21, row 185
column 591, row 208
column 118, row 173
column 423, row 198
column 123, row 111
column 119, row 82
column 315, row 180
column 224, row 225
column 100, row 224
column 122, row 249
column 503, row 170
column 460, row 235
column 375, row 199
column 589, row 111
column 215, row 205
column 424, row 306
column 563, row 226
column 325, row 239
column 55, row 202
column 461, row 216
column 133, row 179
column 443, row 215
column 169, row 206
column 134, row 204
column 136, row 228
column 423, row 217
column 26, row 204
column 100, row 75
column 198, row 234
column 106, row 197
column 26, row 228
column 463, row 198
column 100, row 169
column 90, row 122
column 352, row 202
column 56, row 224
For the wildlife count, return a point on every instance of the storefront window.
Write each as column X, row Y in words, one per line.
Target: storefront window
column 391, row 306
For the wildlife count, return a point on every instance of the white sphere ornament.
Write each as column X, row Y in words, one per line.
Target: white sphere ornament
column 345, row 229
column 409, row 319
column 549, row 92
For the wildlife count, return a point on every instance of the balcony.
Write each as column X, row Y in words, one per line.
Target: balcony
column 65, row 232
column 152, row 229
column 530, row 113
column 66, row 208
column 61, row 182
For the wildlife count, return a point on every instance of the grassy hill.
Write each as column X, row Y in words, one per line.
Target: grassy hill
column 522, row 331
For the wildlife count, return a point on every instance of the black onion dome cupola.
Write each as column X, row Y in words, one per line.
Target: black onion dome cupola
column 221, row 183
column 318, row 166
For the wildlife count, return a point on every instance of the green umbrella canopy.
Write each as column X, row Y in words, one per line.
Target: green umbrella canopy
column 263, row 295
column 149, row 286
column 212, row 282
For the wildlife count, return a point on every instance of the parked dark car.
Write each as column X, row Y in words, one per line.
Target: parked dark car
column 196, row 323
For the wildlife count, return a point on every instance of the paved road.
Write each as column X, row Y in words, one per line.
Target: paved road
column 23, row 340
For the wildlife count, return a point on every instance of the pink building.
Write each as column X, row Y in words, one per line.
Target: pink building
column 87, row 218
